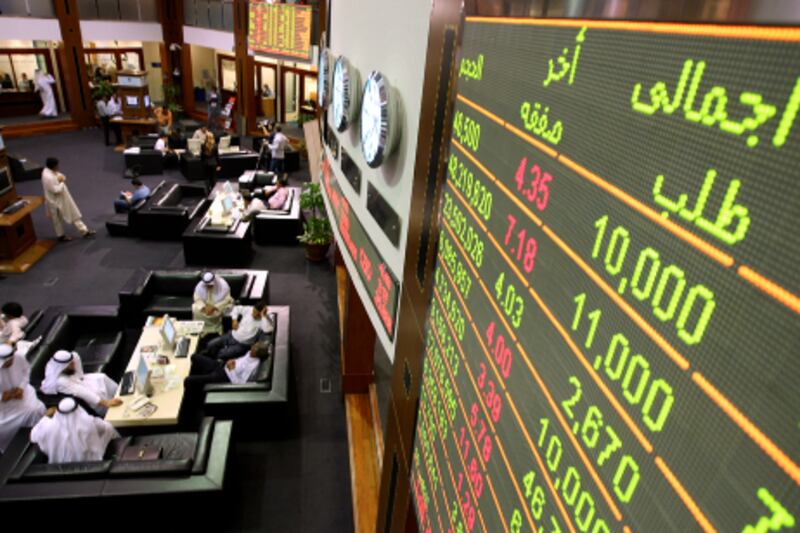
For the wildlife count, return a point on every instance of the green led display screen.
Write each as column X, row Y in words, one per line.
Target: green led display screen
column 613, row 340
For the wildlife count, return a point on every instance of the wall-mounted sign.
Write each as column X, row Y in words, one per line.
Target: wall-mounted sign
column 381, row 285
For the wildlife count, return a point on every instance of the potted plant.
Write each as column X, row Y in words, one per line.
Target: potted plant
column 172, row 95
column 317, row 233
column 102, row 89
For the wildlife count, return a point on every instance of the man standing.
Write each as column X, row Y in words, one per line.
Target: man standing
column 214, row 109
column 114, row 107
column 64, row 374
column 44, row 85
column 72, row 435
column 59, row 204
column 19, row 405
column 103, row 113
column 212, row 299
column 127, row 199
column 278, row 146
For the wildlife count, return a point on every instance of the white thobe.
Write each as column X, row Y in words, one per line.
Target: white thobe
column 44, row 84
column 91, row 388
column 15, row 414
column 59, row 203
column 219, row 296
column 73, row 437
column 243, row 369
column 12, row 330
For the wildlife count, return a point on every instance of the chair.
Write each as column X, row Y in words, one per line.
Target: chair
column 166, row 214
column 124, row 224
column 280, row 226
column 150, row 161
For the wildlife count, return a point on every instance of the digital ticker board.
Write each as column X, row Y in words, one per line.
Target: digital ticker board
column 613, row 340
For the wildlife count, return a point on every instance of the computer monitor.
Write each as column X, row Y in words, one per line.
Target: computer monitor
column 225, row 142
column 5, row 180
column 194, row 146
column 227, row 204
column 143, row 385
column 227, row 188
column 147, row 100
column 132, row 101
column 168, row 333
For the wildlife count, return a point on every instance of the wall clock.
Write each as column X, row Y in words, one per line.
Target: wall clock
column 379, row 128
column 344, row 94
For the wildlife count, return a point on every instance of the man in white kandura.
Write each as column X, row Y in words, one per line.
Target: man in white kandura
column 64, row 374
column 19, row 406
column 58, row 201
column 12, row 323
column 43, row 83
column 72, row 435
column 212, row 299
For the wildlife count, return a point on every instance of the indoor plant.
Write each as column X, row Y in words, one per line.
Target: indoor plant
column 317, row 233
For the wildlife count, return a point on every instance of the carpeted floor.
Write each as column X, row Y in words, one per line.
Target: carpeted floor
column 298, row 483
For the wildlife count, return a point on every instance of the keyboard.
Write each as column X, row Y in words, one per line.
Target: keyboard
column 127, row 384
column 182, row 349
column 16, row 206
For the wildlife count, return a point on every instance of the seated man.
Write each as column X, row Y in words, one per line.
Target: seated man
column 200, row 133
column 19, row 405
column 127, row 198
column 207, row 370
column 162, row 144
column 212, row 299
column 72, row 435
column 12, row 323
column 64, row 374
column 276, row 197
column 246, row 331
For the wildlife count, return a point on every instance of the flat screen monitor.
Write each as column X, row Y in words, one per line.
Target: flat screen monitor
column 225, row 142
column 132, row 101
column 147, row 100
column 227, row 204
column 194, row 146
column 168, row 332
column 227, row 188
column 143, row 377
column 5, row 180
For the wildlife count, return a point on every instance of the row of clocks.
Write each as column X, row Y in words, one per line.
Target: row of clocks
column 372, row 104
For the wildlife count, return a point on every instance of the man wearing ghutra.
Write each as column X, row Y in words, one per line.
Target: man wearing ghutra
column 72, row 435
column 212, row 299
column 64, row 374
column 19, row 405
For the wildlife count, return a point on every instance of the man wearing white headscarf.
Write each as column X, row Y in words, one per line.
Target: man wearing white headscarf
column 212, row 299
column 58, row 202
column 19, row 405
column 64, row 374
column 72, row 435
column 43, row 83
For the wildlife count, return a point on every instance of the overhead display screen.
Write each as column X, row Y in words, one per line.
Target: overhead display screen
column 613, row 340
column 282, row 30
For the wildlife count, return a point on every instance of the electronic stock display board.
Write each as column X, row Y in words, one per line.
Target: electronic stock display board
column 613, row 340
column 282, row 30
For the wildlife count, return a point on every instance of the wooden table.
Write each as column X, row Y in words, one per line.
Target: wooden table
column 135, row 126
column 19, row 248
column 167, row 401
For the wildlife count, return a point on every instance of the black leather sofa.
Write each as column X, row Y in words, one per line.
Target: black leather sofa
column 95, row 332
column 167, row 213
column 156, row 292
column 149, row 161
column 124, row 224
column 235, row 164
column 193, row 464
column 280, row 226
column 252, row 180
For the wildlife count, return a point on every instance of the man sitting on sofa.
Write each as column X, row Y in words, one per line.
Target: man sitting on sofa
column 19, row 406
column 276, row 197
column 72, row 435
column 247, row 330
column 12, row 323
column 208, row 370
column 64, row 374
column 212, row 299
column 127, row 198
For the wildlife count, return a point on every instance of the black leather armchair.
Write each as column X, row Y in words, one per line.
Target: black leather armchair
column 235, row 164
column 150, row 161
column 167, row 213
column 124, row 224
column 95, row 332
column 280, row 226
column 192, row 463
column 157, row 292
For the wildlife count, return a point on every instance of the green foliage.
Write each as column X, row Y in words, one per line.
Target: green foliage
column 102, row 89
column 172, row 95
column 317, row 228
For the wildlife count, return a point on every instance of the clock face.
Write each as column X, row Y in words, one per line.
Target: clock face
column 377, row 120
column 339, row 95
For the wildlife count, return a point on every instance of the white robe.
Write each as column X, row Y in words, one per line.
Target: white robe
column 73, row 437
column 15, row 414
column 12, row 330
column 44, row 84
column 219, row 296
column 58, row 200
column 91, row 388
